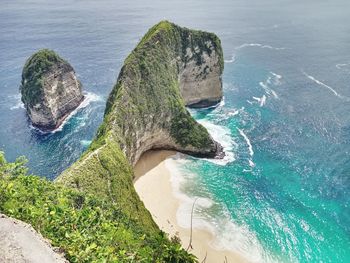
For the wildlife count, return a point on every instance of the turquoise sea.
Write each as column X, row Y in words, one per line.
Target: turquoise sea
column 282, row 193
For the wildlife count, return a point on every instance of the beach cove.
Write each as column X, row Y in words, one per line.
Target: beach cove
column 153, row 183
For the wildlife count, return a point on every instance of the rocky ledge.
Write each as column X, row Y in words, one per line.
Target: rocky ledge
column 19, row 242
column 170, row 68
column 50, row 89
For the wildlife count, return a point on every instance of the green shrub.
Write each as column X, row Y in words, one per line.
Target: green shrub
column 32, row 75
column 86, row 228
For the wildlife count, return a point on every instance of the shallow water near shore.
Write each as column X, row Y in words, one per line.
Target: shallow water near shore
column 282, row 193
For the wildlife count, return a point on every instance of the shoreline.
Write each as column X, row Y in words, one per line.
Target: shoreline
column 153, row 184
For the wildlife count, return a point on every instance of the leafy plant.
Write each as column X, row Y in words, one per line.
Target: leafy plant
column 85, row 228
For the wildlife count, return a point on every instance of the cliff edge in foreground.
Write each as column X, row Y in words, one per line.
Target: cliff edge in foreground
column 19, row 242
column 50, row 89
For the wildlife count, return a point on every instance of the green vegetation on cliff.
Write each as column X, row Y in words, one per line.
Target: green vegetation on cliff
column 146, row 100
column 148, row 86
column 145, row 110
column 92, row 211
column 32, row 75
column 86, row 228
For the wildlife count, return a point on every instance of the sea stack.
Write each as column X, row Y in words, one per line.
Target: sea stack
column 50, row 89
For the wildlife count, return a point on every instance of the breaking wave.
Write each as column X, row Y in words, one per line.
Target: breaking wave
column 332, row 90
column 227, row 234
column 18, row 104
column 222, row 135
column 233, row 58
column 260, row 46
column 89, row 97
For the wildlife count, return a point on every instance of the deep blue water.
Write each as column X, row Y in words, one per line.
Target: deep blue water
column 283, row 192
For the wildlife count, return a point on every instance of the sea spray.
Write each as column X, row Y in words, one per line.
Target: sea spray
column 222, row 135
column 16, row 102
column 89, row 97
column 332, row 90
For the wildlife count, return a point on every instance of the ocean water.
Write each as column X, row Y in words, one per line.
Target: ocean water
column 282, row 193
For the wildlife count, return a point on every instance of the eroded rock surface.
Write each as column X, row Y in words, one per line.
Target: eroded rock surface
column 20, row 243
column 200, row 73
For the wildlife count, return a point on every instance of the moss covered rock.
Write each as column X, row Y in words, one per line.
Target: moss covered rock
column 170, row 68
column 146, row 110
column 50, row 89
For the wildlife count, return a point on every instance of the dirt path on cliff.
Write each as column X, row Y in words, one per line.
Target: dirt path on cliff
column 19, row 242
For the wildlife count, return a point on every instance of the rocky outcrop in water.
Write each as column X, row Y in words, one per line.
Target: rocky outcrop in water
column 50, row 89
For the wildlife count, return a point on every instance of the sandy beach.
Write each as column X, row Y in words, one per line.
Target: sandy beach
column 153, row 184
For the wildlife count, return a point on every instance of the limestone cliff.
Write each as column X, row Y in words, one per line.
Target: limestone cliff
column 146, row 110
column 50, row 89
column 171, row 67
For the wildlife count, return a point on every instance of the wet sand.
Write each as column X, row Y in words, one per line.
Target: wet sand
column 153, row 184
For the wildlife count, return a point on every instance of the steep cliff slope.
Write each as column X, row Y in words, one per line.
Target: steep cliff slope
column 146, row 110
column 50, row 89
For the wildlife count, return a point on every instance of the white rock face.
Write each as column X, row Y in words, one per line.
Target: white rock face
column 201, row 83
column 20, row 243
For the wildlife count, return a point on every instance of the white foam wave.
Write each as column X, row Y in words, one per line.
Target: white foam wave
column 276, row 78
column 235, row 112
column 261, row 100
column 341, row 65
column 259, row 45
column 216, row 106
column 85, row 143
column 226, row 114
column 325, row 86
column 222, row 102
column 233, row 58
column 273, row 79
column 222, row 135
column 250, row 147
column 268, row 90
column 227, row 234
column 251, row 163
column 18, row 104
